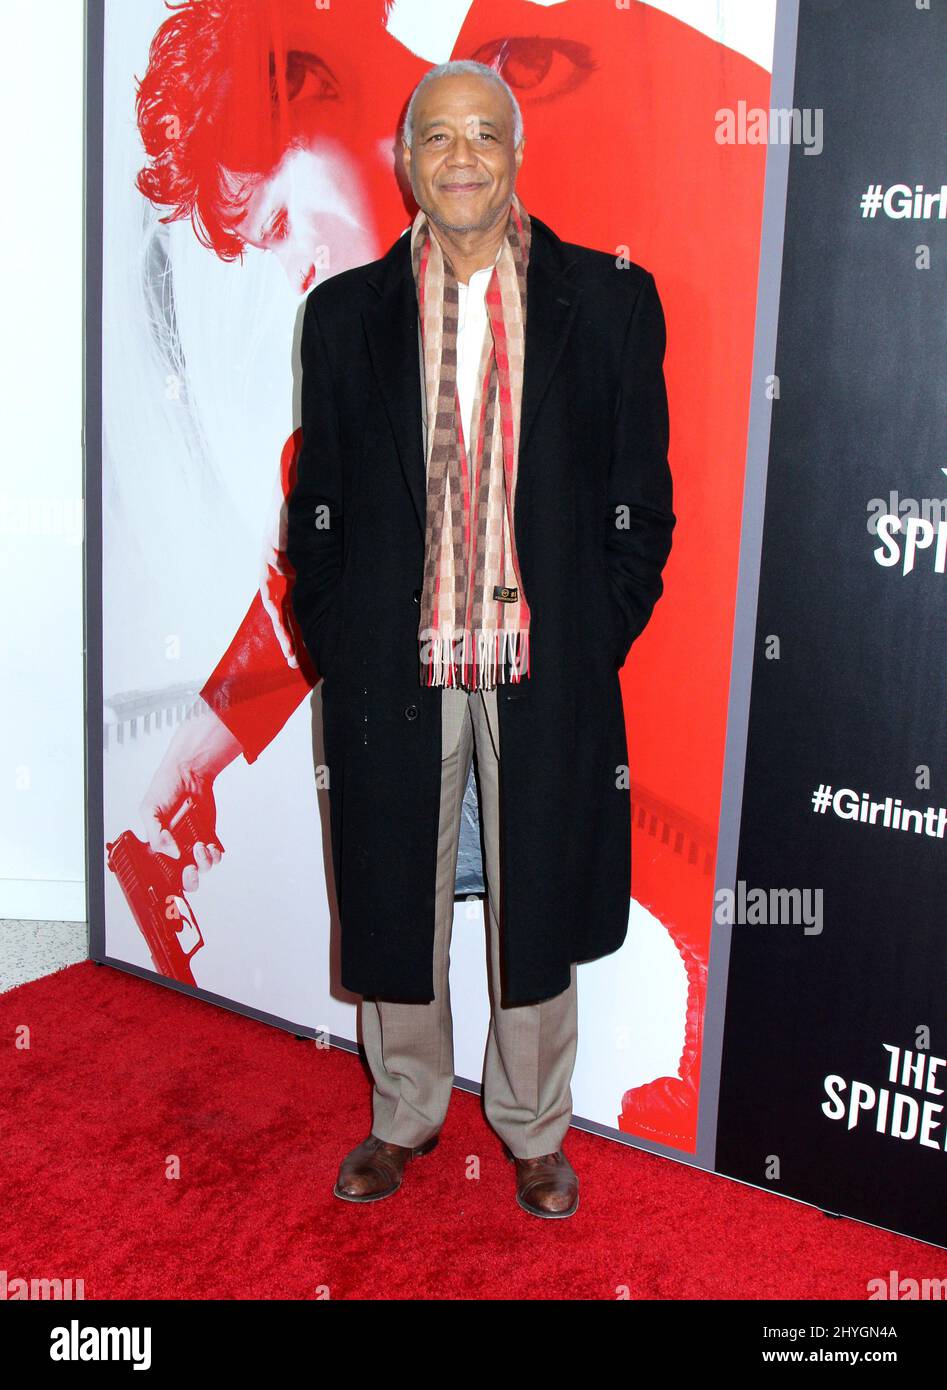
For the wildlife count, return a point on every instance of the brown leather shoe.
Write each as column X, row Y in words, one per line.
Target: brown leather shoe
column 375, row 1168
column 546, row 1186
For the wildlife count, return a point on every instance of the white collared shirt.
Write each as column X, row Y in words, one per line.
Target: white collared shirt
column 472, row 324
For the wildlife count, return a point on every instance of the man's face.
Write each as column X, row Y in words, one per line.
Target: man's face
column 462, row 162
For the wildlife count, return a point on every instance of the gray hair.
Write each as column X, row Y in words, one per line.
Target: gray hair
column 455, row 68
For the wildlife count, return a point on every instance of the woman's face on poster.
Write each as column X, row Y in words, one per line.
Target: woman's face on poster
column 332, row 200
column 336, row 195
column 312, row 213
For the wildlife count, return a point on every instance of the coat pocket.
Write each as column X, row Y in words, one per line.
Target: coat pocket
column 323, row 642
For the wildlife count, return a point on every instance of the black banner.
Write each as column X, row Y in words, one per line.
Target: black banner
column 834, row 1069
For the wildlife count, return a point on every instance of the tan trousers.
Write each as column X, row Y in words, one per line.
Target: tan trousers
column 530, row 1052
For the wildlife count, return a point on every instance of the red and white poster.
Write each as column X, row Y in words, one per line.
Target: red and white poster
column 251, row 149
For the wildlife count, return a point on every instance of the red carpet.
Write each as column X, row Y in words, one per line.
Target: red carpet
column 122, row 1073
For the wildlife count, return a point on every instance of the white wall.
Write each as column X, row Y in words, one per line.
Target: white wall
column 42, row 868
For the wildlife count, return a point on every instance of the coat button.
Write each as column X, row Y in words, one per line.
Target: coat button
column 417, row 595
column 411, row 712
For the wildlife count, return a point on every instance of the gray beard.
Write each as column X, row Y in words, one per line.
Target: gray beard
column 460, row 228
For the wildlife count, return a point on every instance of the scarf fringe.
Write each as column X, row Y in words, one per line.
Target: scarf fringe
column 485, row 659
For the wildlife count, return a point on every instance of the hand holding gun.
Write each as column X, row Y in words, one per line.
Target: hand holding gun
column 154, row 889
column 180, row 816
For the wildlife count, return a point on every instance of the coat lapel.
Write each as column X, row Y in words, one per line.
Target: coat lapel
column 391, row 328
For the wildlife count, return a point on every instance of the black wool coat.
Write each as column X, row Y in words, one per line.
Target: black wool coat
column 592, row 524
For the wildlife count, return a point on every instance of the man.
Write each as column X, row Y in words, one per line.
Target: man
column 478, row 528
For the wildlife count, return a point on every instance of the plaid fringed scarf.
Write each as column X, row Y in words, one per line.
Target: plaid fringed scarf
column 474, row 628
